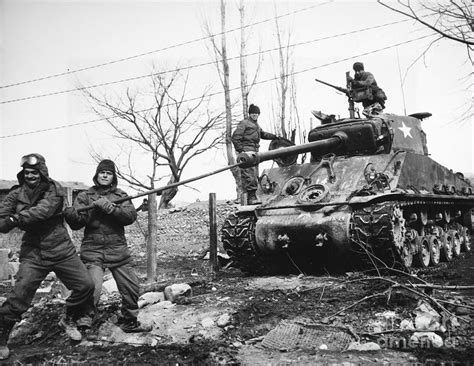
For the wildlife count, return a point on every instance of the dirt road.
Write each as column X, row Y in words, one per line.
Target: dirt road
column 293, row 319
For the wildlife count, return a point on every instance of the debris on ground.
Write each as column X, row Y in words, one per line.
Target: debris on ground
column 230, row 318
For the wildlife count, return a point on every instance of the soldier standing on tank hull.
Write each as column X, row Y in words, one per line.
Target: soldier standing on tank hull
column 246, row 138
column 363, row 79
column 33, row 206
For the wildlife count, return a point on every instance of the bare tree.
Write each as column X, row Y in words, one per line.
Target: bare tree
column 284, row 54
column 286, row 111
column 245, row 87
column 451, row 19
column 222, row 65
column 164, row 127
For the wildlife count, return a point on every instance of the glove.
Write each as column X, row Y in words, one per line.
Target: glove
column 15, row 220
column 69, row 212
column 105, row 205
column 272, row 136
column 8, row 223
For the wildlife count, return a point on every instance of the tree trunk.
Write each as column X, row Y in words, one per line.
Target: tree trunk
column 243, row 65
column 283, row 80
column 151, row 239
column 168, row 195
column 228, row 106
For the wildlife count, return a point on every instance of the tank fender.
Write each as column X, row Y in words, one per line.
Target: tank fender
column 246, row 209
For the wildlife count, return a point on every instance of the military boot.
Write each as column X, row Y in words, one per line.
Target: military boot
column 84, row 322
column 5, row 329
column 70, row 328
column 132, row 325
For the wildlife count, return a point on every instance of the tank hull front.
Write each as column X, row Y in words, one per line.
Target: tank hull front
column 298, row 231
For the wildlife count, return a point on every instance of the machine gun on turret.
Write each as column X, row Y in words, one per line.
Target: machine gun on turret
column 353, row 95
column 342, row 90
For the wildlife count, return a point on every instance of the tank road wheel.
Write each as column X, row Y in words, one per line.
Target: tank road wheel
column 435, row 250
column 466, row 239
column 447, row 216
column 423, row 256
column 423, row 217
column 446, row 247
column 456, row 240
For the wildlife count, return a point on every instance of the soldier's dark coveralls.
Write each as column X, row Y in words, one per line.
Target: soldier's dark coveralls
column 104, row 244
column 363, row 79
column 46, row 246
column 246, row 137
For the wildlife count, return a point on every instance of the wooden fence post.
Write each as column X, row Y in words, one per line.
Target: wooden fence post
column 213, row 262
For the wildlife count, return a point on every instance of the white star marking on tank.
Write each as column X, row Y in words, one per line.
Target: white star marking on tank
column 406, row 130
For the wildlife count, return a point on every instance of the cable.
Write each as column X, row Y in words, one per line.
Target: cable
column 220, row 92
column 161, row 49
column 201, row 64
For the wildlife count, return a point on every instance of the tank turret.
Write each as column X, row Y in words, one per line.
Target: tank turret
column 370, row 195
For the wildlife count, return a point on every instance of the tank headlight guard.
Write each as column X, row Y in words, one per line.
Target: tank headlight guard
column 266, row 184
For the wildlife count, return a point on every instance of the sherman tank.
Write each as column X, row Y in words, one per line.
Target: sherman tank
column 371, row 196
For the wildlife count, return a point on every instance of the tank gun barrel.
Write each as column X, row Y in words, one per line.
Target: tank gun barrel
column 245, row 160
column 248, row 159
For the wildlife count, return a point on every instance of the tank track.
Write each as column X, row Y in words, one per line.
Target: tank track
column 396, row 234
column 238, row 239
column 405, row 233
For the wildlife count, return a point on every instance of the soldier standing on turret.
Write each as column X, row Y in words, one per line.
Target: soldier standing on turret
column 246, row 138
column 363, row 79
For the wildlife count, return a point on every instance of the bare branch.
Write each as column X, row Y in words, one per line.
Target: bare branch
column 463, row 15
column 171, row 131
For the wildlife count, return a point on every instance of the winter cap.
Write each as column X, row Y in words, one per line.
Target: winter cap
column 109, row 165
column 254, row 109
column 106, row 164
column 358, row 66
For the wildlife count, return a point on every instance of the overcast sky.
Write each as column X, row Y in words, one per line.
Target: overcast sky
column 41, row 39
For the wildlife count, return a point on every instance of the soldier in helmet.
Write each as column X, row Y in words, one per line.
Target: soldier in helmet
column 363, row 79
column 246, row 138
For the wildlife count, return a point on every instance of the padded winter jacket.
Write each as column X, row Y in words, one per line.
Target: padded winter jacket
column 366, row 78
column 104, row 239
column 247, row 135
column 46, row 237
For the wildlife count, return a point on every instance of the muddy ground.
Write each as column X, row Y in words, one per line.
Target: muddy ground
column 255, row 307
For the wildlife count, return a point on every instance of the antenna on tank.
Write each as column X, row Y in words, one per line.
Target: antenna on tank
column 401, row 84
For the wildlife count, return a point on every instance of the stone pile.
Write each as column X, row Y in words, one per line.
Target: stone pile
column 180, row 230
